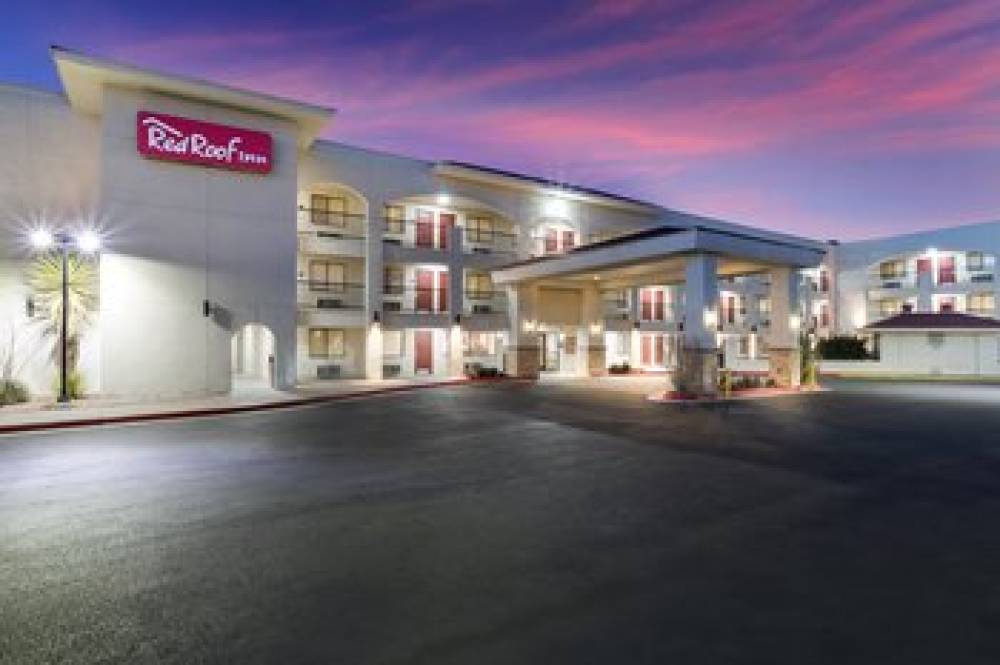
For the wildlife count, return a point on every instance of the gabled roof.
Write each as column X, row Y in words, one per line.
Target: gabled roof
column 935, row 321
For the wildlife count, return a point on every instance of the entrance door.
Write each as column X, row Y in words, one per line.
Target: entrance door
column 425, row 291
column 446, row 221
column 425, row 228
column 423, row 351
column 550, row 352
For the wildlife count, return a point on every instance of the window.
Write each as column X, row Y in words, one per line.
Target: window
column 653, row 304
column 551, row 241
column 744, row 348
column 479, row 229
column 764, row 307
column 557, row 239
column 326, row 276
column 651, row 350
column 425, row 228
column 479, row 343
column 392, row 342
column 889, row 306
column 824, row 315
column 478, row 285
column 946, row 304
column 895, row 269
column 326, row 210
column 393, row 277
column 975, row 261
column 326, row 343
column 982, row 303
column 824, row 281
column 395, row 219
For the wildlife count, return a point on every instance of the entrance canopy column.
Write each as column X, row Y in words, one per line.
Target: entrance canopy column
column 786, row 320
column 522, row 355
column 697, row 368
column 590, row 334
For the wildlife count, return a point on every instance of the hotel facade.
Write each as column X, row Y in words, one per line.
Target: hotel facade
column 240, row 247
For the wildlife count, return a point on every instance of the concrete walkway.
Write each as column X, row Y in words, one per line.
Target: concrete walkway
column 245, row 397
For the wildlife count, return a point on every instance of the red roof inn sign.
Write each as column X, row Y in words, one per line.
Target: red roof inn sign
column 168, row 137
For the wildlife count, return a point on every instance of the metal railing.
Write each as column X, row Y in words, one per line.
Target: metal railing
column 416, row 233
column 321, row 295
column 475, row 240
column 334, row 223
column 478, row 301
column 413, row 299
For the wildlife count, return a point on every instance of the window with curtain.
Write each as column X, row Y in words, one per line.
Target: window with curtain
column 326, row 343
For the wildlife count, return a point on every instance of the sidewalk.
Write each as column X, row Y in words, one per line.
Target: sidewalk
column 97, row 411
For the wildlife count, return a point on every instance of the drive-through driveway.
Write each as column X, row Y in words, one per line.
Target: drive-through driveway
column 516, row 523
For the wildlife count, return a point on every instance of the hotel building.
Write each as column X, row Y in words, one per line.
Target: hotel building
column 240, row 246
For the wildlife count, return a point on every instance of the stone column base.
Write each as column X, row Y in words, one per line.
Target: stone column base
column 596, row 357
column 523, row 361
column 784, row 367
column 697, row 372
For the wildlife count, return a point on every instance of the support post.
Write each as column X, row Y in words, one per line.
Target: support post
column 591, row 354
column 374, row 287
column 523, row 355
column 786, row 321
column 698, row 366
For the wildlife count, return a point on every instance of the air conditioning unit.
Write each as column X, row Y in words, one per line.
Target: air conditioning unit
column 392, row 306
column 328, row 372
column 391, row 371
column 982, row 277
column 392, row 241
column 482, row 250
column 482, row 309
column 329, row 303
column 329, row 234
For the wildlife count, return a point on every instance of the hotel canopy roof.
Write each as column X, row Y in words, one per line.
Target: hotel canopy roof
column 84, row 79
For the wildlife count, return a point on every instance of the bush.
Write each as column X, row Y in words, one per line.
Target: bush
column 619, row 368
column 842, row 348
column 74, row 385
column 12, row 392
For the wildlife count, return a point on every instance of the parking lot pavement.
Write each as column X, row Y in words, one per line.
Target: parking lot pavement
column 513, row 523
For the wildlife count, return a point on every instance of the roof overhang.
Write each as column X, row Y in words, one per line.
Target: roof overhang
column 85, row 78
column 630, row 259
column 516, row 181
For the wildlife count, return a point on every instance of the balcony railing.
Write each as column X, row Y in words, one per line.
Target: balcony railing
column 485, row 302
column 414, row 233
column 480, row 241
column 413, row 299
column 333, row 223
column 324, row 295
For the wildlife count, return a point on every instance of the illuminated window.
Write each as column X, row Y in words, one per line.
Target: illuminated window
column 479, row 343
column 975, row 261
column 478, row 285
column 327, row 210
column 744, row 349
column 393, row 279
column 395, row 219
column 890, row 306
column 982, row 303
column 479, row 229
column 895, row 269
column 326, row 276
column 326, row 343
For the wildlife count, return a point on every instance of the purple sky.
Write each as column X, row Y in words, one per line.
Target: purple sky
column 831, row 119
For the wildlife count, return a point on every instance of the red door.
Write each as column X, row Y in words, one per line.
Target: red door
column 446, row 221
column 658, row 308
column 425, row 228
column 946, row 270
column 923, row 265
column 569, row 240
column 551, row 241
column 658, row 349
column 423, row 351
column 647, row 304
column 442, row 291
column 646, row 350
column 425, row 291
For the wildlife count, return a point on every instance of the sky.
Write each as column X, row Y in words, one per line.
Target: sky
column 834, row 119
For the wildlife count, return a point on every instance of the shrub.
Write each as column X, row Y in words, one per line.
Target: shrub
column 74, row 385
column 619, row 368
column 12, row 392
column 842, row 348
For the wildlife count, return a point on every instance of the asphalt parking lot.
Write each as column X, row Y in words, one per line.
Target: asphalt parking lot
column 514, row 523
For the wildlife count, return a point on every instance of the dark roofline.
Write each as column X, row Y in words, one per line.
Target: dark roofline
column 934, row 321
column 548, row 182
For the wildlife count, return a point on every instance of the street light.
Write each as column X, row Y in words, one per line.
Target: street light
column 87, row 242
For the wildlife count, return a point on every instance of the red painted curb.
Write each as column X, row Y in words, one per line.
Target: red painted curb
column 226, row 410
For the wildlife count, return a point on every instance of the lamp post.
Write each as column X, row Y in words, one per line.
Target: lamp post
column 87, row 242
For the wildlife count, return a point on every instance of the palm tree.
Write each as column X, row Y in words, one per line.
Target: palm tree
column 45, row 281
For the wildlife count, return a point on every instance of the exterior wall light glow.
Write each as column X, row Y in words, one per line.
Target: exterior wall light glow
column 443, row 199
column 794, row 321
column 554, row 207
column 41, row 239
column 88, row 242
column 711, row 319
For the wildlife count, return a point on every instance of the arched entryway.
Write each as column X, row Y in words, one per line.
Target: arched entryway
column 253, row 364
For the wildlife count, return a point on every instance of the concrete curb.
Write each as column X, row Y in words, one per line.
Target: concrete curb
column 227, row 410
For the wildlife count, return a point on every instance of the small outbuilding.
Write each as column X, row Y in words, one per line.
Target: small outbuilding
column 937, row 343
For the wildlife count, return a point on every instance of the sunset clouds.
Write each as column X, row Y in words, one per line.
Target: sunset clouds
column 831, row 118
